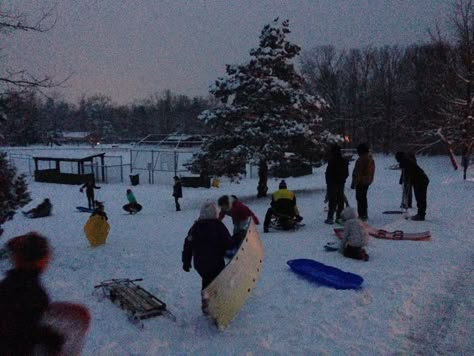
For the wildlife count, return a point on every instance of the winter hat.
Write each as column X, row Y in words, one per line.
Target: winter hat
column 282, row 184
column 30, row 251
column 362, row 148
column 349, row 213
column 208, row 211
column 129, row 190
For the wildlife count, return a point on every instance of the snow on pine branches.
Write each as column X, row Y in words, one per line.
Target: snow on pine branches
column 13, row 190
column 264, row 111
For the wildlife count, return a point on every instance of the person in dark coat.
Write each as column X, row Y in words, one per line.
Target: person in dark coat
column 177, row 192
column 206, row 244
column 465, row 157
column 23, row 300
column 418, row 178
column 407, row 191
column 90, row 186
column 42, row 210
column 337, row 172
column 362, row 178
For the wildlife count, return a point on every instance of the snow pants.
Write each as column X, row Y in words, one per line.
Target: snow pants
column 361, row 197
column 335, row 194
column 420, row 190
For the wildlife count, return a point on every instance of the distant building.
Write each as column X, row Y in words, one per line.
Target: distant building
column 76, row 137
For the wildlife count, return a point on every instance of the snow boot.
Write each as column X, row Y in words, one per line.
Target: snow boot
column 329, row 221
column 418, row 218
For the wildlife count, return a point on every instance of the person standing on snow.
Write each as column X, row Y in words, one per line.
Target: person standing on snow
column 177, row 192
column 337, row 172
column 206, row 244
column 89, row 186
column 419, row 180
column 362, row 178
column 465, row 157
column 23, row 300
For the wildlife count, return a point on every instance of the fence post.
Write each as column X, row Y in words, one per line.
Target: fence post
column 151, row 175
column 175, row 163
column 121, row 170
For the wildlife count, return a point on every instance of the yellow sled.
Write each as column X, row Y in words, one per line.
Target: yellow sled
column 227, row 293
column 96, row 230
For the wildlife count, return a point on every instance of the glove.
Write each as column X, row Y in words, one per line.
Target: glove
column 186, row 268
column 81, row 190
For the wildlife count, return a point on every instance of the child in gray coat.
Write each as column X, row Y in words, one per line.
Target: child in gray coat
column 356, row 236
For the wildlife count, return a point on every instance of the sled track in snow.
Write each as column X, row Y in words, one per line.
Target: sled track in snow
column 446, row 322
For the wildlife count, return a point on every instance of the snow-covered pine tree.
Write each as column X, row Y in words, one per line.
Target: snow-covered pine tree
column 264, row 113
column 13, row 190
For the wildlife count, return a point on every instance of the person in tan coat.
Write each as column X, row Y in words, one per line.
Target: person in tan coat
column 362, row 178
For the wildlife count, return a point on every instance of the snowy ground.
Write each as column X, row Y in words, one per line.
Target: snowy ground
column 416, row 297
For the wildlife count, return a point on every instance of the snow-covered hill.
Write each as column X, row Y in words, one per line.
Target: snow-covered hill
column 416, row 297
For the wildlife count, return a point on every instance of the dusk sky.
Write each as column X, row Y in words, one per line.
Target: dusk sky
column 131, row 49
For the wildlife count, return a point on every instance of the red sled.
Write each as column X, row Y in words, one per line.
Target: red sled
column 391, row 235
column 72, row 322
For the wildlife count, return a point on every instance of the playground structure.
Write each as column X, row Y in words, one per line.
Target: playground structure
column 52, row 169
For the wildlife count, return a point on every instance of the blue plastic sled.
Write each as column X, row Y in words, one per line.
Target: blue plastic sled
column 326, row 275
column 83, row 209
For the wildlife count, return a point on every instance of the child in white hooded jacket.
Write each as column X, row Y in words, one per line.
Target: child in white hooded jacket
column 355, row 237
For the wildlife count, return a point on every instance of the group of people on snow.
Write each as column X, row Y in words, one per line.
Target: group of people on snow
column 208, row 239
column 23, row 300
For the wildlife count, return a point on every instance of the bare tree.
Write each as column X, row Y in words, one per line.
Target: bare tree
column 11, row 22
column 456, row 126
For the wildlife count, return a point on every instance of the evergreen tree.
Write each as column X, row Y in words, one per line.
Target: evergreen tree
column 264, row 114
column 13, row 190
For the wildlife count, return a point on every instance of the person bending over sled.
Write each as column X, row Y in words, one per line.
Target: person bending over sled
column 418, row 179
column 23, row 300
column 284, row 208
column 206, row 244
column 42, row 210
column 355, row 237
column 239, row 212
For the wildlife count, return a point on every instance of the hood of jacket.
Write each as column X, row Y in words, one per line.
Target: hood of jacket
column 208, row 211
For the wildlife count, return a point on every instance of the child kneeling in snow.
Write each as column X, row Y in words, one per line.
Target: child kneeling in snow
column 355, row 236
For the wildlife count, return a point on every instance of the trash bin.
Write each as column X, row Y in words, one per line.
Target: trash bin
column 134, row 179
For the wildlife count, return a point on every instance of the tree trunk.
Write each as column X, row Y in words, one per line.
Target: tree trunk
column 262, row 179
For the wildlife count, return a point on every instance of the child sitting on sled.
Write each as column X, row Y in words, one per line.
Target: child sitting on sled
column 355, row 237
column 133, row 206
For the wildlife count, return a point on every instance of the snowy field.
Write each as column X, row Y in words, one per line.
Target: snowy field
column 417, row 297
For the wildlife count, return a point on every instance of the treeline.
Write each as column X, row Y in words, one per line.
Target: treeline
column 33, row 118
column 394, row 97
